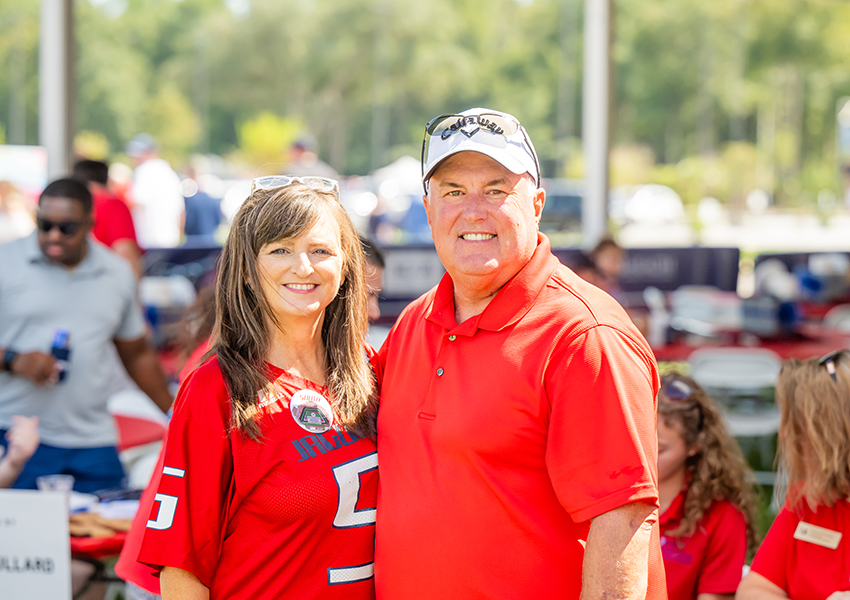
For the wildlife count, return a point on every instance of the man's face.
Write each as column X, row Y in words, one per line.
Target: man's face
column 58, row 215
column 483, row 219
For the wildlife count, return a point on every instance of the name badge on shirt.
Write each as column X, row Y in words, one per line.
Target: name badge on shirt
column 806, row 532
column 311, row 411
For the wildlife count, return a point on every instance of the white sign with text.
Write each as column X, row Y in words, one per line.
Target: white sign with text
column 35, row 552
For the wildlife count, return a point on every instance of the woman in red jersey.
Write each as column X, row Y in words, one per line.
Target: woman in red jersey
column 705, row 493
column 806, row 553
column 269, row 481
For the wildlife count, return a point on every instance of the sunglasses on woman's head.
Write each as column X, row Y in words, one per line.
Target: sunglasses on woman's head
column 273, row 182
column 675, row 390
column 829, row 360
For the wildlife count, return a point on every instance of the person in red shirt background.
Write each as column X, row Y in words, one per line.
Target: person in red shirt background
column 705, row 488
column 806, row 553
column 113, row 223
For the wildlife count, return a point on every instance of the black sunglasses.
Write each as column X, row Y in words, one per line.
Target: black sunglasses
column 829, row 360
column 493, row 123
column 66, row 228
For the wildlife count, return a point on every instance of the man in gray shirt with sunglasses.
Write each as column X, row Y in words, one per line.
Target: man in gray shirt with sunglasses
column 516, row 429
column 59, row 283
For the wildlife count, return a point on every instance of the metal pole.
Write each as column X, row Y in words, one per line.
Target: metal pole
column 55, row 93
column 595, row 119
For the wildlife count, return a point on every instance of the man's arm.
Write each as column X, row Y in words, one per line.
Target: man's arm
column 38, row 367
column 143, row 366
column 177, row 583
column 616, row 558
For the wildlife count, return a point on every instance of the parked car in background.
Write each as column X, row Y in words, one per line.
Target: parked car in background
column 562, row 211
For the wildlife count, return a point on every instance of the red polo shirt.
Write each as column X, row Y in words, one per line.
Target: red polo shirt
column 500, row 437
column 711, row 560
column 806, row 570
column 112, row 219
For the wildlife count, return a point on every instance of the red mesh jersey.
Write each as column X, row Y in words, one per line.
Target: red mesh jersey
column 290, row 517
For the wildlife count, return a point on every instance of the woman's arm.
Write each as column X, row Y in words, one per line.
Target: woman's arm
column 759, row 587
column 177, row 584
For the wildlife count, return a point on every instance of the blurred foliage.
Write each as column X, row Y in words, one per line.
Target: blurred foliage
column 709, row 97
column 266, row 139
column 91, row 144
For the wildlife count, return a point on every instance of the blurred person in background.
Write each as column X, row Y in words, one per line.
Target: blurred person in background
column 517, row 416
column 202, row 215
column 806, row 553
column 375, row 264
column 21, row 442
column 269, row 479
column 16, row 219
column 304, row 159
column 706, row 495
column 53, row 282
column 156, row 200
column 113, row 223
column 608, row 257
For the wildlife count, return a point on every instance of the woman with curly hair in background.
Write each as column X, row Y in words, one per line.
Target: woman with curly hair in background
column 705, row 493
column 806, row 555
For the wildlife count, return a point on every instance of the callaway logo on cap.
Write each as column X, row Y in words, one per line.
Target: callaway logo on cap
column 495, row 134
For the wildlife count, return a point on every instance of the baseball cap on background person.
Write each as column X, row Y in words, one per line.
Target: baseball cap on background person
column 493, row 133
column 140, row 145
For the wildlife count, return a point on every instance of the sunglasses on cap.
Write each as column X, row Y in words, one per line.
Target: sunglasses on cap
column 829, row 360
column 273, row 182
column 66, row 228
column 490, row 123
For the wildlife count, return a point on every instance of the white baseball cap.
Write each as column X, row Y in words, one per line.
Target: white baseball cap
column 495, row 134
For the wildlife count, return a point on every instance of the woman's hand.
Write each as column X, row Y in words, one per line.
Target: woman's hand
column 839, row 596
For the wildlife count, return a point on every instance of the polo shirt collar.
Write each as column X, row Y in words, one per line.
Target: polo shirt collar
column 509, row 305
column 89, row 264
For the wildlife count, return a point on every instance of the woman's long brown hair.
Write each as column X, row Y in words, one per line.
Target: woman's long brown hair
column 717, row 470
column 240, row 336
column 814, row 431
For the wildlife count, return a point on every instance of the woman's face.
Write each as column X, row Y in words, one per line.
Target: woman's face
column 672, row 450
column 302, row 275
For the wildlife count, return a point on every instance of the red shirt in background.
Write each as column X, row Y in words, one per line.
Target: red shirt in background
column 711, row 560
column 112, row 219
column 806, row 570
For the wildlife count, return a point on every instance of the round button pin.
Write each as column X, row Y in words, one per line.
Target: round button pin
column 452, row 338
column 311, row 411
column 440, row 372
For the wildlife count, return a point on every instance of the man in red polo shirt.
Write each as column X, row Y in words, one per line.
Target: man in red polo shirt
column 113, row 223
column 516, row 430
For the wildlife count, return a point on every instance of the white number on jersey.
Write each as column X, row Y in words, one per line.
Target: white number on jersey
column 167, row 504
column 347, row 477
column 165, row 514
